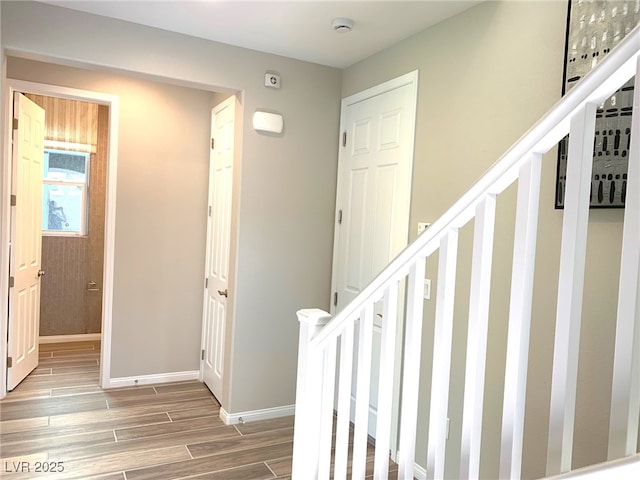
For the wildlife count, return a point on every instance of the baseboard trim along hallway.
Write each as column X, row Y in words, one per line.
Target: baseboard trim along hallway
column 255, row 415
column 155, row 378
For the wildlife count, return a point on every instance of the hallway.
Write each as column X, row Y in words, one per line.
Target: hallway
column 59, row 419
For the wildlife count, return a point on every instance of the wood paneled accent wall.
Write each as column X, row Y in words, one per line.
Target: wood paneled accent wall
column 69, row 121
column 68, row 306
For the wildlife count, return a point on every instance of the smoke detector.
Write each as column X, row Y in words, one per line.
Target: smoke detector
column 342, row 25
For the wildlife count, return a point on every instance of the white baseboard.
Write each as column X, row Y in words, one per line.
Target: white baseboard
column 151, row 379
column 83, row 337
column 255, row 415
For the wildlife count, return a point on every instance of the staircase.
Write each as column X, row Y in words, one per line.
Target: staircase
column 327, row 366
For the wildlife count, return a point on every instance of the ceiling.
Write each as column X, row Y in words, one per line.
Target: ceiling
column 298, row 29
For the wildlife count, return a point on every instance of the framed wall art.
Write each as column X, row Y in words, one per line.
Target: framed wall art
column 594, row 28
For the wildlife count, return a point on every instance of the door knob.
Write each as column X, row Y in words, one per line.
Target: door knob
column 224, row 292
column 41, row 273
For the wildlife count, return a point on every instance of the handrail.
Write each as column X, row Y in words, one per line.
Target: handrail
column 319, row 393
column 614, row 70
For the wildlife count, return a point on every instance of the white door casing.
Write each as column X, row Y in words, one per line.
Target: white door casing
column 218, row 245
column 373, row 199
column 26, row 240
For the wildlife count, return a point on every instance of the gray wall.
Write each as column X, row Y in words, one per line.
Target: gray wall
column 486, row 76
column 160, row 231
column 284, row 197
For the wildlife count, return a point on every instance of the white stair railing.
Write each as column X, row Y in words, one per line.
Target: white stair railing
column 318, row 454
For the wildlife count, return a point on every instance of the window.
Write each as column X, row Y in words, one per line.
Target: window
column 64, row 195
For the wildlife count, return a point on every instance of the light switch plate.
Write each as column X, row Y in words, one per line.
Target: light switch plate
column 427, row 289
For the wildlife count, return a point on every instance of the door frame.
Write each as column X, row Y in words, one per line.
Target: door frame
column 112, row 101
column 410, row 78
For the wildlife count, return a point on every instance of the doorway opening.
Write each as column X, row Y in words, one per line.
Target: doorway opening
column 73, row 203
column 80, row 290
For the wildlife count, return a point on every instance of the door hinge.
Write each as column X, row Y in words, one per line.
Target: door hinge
column 13, row 200
column 213, row 143
column 206, row 282
column 339, row 217
column 209, row 210
column 9, row 362
column 202, row 354
column 344, row 138
column 335, row 299
column 15, row 123
column 12, row 282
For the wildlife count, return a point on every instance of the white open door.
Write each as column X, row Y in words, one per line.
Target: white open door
column 374, row 194
column 26, row 240
column 218, row 243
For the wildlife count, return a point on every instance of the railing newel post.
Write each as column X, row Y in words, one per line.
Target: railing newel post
column 306, row 436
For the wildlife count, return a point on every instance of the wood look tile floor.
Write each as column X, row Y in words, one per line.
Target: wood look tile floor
column 59, row 419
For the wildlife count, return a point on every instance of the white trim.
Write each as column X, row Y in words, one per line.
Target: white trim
column 410, row 78
column 420, row 473
column 152, row 379
column 113, row 102
column 255, row 415
column 83, row 337
column 393, row 84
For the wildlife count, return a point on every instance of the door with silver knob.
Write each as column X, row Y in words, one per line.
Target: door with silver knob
column 218, row 244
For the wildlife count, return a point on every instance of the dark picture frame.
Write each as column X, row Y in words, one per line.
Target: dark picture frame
column 593, row 29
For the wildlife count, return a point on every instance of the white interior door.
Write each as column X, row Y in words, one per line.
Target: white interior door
column 374, row 193
column 218, row 243
column 26, row 240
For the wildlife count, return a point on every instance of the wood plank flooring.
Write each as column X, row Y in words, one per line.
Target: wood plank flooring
column 59, row 419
